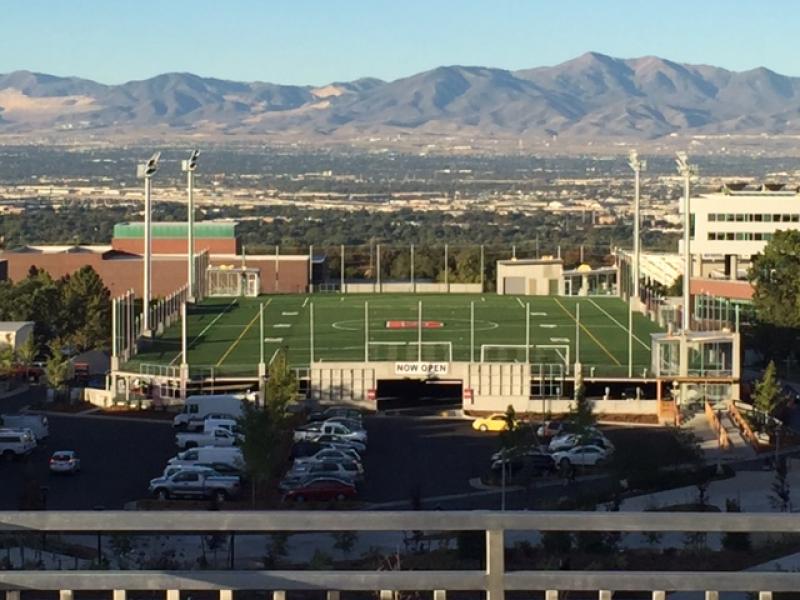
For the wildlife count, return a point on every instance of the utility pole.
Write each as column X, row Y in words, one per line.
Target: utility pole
column 146, row 171
column 188, row 166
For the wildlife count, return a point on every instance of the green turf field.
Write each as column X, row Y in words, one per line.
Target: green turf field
column 223, row 333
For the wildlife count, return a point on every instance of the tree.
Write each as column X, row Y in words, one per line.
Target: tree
column 7, row 360
column 58, row 370
column 775, row 275
column 87, row 301
column 27, row 353
column 260, row 444
column 767, row 392
column 281, row 387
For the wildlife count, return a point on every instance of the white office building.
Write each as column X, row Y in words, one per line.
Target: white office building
column 736, row 223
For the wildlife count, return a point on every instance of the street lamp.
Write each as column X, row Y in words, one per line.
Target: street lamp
column 686, row 171
column 188, row 166
column 146, row 171
column 638, row 166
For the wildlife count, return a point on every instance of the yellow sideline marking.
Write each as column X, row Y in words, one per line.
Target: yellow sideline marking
column 241, row 335
column 589, row 333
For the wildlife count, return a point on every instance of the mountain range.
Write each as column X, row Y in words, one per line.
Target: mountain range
column 593, row 96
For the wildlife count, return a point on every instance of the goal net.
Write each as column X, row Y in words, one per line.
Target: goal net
column 411, row 351
column 536, row 354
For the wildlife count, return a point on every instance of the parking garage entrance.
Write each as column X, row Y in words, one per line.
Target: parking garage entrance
column 417, row 393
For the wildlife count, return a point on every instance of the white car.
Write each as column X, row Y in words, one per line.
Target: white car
column 583, row 456
column 570, row 440
column 65, row 461
column 330, row 454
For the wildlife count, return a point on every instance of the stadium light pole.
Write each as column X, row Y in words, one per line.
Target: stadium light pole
column 188, row 166
column 638, row 166
column 686, row 171
column 146, row 171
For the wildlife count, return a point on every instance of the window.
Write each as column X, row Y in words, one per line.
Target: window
column 758, row 218
column 795, row 218
column 712, row 236
column 712, row 217
column 739, row 218
column 187, row 477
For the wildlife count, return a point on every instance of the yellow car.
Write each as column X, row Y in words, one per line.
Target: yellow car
column 495, row 422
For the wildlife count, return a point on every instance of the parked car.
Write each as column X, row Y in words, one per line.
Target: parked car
column 321, row 489
column 352, row 424
column 334, row 441
column 38, row 424
column 15, row 443
column 295, row 480
column 231, row 457
column 494, row 422
column 556, row 427
column 535, row 460
column 197, row 407
column 219, row 437
column 329, row 454
column 313, row 430
column 570, row 440
column 65, row 461
column 195, row 484
column 170, row 470
column 584, row 456
column 347, row 412
column 351, row 470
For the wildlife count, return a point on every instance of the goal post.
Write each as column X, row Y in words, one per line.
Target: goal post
column 410, row 351
column 538, row 353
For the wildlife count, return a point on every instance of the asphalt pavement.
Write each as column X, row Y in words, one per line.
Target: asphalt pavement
column 118, row 459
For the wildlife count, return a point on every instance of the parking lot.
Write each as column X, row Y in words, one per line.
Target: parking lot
column 118, row 459
column 410, row 459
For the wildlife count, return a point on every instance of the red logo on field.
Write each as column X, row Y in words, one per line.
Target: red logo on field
column 414, row 324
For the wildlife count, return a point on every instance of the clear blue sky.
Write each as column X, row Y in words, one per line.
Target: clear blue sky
column 318, row 41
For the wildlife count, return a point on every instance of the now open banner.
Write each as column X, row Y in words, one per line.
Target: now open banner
column 421, row 368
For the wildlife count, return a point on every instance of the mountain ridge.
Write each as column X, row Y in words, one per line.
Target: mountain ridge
column 590, row 96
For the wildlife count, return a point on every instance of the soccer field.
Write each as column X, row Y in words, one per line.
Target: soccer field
column 223, row 333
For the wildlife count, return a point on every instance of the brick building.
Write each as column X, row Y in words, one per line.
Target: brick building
column 121, row 264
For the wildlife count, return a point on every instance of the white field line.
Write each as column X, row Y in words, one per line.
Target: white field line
column 305, row 302
column 206, row 328
column 625, row 329
column 520, row 302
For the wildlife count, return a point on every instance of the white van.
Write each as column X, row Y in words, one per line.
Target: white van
column 16, row 442
column 38, row 424
column 210, row 455
column 197, row 407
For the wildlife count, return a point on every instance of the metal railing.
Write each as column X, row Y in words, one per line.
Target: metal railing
column 493, row 579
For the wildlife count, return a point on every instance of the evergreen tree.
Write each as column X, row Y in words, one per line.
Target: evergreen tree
column 88, row 303
column 281, row 387
column 767, row 392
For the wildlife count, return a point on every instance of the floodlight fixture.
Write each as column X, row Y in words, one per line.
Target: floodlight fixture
column 191, row 163
column 686, row 170
column 149, row 168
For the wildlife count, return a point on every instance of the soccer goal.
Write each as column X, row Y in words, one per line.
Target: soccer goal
column 537, row 353
column 411, row 351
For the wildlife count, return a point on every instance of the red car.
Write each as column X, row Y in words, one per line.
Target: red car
column 321, row 489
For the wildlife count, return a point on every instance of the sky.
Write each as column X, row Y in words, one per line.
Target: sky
column 315, row 42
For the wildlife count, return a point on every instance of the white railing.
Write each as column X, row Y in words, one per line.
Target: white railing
column 493, row 578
